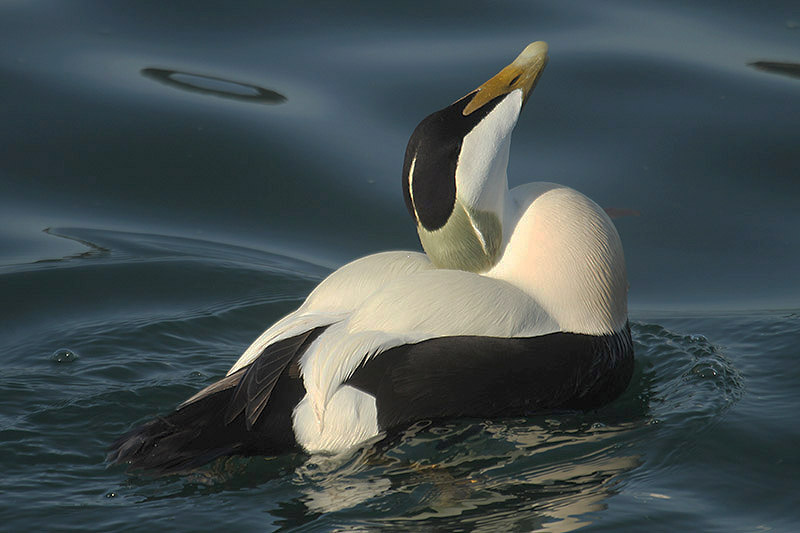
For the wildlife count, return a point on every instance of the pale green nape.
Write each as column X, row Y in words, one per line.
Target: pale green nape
column 458, row 244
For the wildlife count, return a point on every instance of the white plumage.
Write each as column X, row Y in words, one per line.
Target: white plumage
column 560, row 271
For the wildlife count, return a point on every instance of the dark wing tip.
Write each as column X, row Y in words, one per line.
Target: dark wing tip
column 161, row 447
column 253, row 391
column 208, row 425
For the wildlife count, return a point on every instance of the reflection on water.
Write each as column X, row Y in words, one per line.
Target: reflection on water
column 484, row 475
column 94, row 250
column 778, row 67
column 548, row 473
column 199, row 83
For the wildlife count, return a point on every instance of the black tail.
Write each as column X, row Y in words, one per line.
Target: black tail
column 183, row 440
column 220, row 420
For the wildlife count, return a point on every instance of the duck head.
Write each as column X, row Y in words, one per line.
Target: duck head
column 454, row 174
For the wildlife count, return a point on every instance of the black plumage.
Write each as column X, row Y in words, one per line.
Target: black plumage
column 250, row 411
column 471, row 376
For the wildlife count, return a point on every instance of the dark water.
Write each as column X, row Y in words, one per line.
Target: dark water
column 175, row 177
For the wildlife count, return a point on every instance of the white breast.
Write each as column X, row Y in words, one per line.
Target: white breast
column 564, row 251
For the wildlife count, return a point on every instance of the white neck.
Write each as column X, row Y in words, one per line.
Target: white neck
column 563, row 250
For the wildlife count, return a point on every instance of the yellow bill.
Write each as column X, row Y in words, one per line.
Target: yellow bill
column 522, row 73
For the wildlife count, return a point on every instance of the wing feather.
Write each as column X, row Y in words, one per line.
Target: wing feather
column 255, row 387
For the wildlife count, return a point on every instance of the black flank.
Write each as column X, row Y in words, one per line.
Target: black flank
column 490, row 377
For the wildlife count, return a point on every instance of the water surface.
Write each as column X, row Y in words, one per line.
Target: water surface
column 174, row 178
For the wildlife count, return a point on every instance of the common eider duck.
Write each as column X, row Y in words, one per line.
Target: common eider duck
column 517, row 306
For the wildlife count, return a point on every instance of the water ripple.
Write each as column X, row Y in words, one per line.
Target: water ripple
column 214, row 86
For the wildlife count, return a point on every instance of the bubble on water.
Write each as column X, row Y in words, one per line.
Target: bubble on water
column 64, row 355
column 705, row 371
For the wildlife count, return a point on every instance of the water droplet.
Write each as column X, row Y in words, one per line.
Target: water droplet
column 64, row 355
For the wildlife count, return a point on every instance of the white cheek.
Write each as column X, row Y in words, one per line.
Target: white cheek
column 481, row 171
